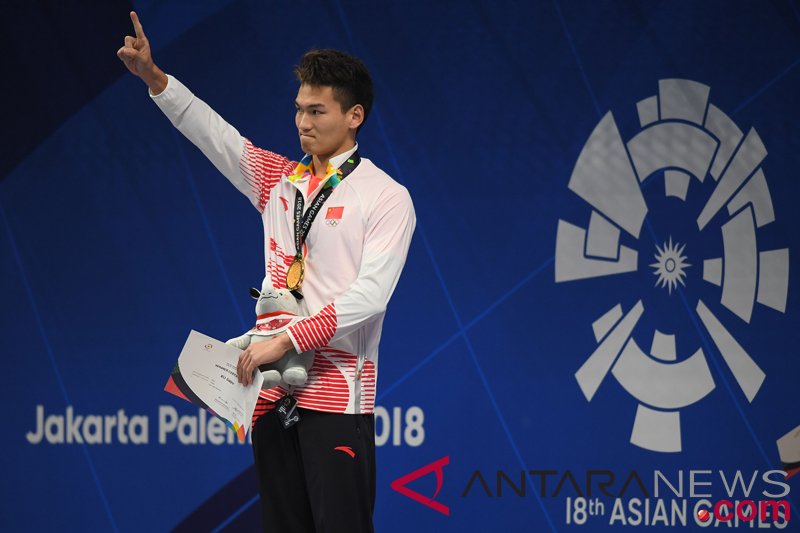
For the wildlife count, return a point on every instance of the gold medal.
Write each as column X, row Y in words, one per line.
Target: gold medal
column 294, row 276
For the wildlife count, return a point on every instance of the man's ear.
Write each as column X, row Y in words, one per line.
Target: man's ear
column 356, row 116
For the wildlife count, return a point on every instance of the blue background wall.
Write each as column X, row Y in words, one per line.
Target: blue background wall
column 118, row 237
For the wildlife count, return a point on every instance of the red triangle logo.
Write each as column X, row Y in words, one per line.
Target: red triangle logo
column 437, row 466
column 172, row 388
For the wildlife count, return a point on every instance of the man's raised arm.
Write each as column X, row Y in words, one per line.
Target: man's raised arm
column 251, row 170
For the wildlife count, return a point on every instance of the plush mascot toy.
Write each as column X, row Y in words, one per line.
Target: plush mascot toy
column 276, row 310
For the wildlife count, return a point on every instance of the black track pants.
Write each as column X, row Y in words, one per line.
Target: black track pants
column 318, row 475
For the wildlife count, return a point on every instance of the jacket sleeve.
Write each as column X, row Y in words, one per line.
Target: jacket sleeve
column 386, row 243
column 251, row 170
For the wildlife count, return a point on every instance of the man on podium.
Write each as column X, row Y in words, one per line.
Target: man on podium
column 336, row 232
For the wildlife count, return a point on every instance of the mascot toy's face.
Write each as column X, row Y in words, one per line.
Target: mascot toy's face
column 271, row 300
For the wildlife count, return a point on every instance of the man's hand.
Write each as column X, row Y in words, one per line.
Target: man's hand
column 136, row 55
column 261, row 353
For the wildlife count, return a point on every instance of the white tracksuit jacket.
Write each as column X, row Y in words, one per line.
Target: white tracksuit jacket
column 355, row 252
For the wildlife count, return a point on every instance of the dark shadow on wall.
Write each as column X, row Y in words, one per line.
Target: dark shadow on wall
column 58, row 56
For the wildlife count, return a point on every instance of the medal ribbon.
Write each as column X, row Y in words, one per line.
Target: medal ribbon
column 302, row 223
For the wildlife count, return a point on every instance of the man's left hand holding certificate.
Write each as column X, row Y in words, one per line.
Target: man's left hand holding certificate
column 205, row 375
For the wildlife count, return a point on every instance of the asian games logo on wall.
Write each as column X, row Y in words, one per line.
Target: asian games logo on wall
column 703, row 221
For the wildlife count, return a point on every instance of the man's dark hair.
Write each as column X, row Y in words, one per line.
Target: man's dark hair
column 345, row 74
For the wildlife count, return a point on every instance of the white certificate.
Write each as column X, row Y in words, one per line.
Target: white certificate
column 206, row 376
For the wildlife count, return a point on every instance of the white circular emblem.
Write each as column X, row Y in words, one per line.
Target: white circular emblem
column 694, row 146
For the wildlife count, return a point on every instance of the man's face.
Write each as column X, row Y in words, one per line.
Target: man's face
column 323, row 127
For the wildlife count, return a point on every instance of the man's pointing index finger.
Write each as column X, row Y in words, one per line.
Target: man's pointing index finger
column 137, row 25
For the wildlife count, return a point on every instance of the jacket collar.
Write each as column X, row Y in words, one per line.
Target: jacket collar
column 303, row 175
